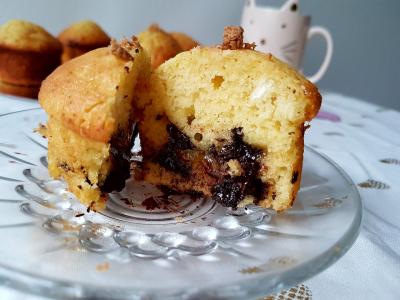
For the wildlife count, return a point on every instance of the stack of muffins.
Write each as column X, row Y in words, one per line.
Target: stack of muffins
column 28, row 53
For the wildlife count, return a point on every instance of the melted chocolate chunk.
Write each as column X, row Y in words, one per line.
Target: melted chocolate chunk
column 257, row 188
column 178, row 139
column 232, row 189
column 178, row 154
column 247, row 155
column 169, row 156
column 169, row 159
column 120, row 155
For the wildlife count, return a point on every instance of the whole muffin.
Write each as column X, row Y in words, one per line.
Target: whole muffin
column 82, row 37
column 185, row 41
column 28, row 53
column 159, row 44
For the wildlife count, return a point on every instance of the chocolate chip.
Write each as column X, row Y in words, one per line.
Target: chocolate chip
column 121, row 144
column 169, row 159
column 178, row 139
column 178, row 153
column 246, row 184
column 198, row 136
column 230, row 191
column 87, row 180
column 294, row 177
column 90, row 207
column 190, row 119
column 64, row 166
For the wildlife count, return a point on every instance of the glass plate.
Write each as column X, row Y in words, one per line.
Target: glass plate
column 185, row 249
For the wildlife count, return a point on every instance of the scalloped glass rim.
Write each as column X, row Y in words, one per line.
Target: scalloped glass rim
column 245, row 288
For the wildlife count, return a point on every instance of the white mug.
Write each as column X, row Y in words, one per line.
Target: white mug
column 284, row 33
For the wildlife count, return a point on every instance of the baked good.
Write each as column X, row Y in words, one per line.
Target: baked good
column 185, row 42
column 28, row 53
column 159, row 44
column 89, row 105
column 82, row 37
column 227, row 122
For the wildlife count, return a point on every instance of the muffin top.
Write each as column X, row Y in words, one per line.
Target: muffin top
column 27, row 36
column 82, row 92
column 85, row 33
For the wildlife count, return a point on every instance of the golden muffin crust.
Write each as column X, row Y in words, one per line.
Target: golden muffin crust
column 27, row 36
column 82, row 37
column 185, row 41
column 81, row 92
column 222, row 98
column 160, row 45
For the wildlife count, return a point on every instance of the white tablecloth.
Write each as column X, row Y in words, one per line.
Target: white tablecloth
column 364, row 140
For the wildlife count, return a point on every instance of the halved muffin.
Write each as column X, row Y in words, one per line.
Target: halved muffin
column 28, row 53
column 82, row 37
column 90, row 118
column 228, row 123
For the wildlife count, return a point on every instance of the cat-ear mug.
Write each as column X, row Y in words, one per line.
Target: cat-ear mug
column 284, row 33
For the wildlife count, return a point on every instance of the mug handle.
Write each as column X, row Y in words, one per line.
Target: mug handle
column 315, row 31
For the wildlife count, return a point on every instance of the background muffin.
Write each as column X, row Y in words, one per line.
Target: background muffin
column 185, row 41
column 159, row 44
column 28, row 53
column 82, row 37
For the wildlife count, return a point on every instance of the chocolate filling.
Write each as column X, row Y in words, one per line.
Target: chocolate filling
column 120, row 154
column 179, row 155
column 170, row 156
column 230, row 190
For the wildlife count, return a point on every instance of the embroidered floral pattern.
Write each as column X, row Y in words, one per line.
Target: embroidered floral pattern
column 391, row 161
column 374, row 184
column 300, row 292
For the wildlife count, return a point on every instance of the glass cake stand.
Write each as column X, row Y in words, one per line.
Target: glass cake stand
column 183, row 248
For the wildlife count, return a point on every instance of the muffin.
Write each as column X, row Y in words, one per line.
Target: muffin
column 184, row 41
column 160, row 45
column 82, row 37
column 90, row 133
column 226, row 122
column 28, row 53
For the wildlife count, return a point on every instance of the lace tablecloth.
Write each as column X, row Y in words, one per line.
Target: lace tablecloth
column 364, row 139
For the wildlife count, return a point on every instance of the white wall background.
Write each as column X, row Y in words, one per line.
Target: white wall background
column 365, row 32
